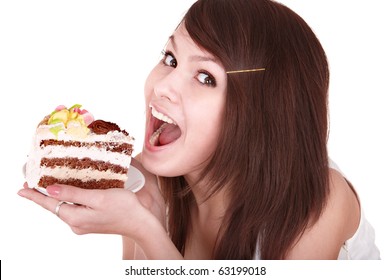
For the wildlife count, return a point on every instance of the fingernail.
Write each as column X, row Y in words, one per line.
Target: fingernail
column 21, row 193
column 53, row 190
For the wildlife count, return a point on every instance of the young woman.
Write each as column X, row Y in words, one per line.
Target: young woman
column 235, row 152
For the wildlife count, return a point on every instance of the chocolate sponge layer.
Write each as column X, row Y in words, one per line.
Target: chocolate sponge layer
column 84, row 163
column 123, row 148
column 91, row 184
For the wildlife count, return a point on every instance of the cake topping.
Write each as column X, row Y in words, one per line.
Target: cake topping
column 74, row 113
column 74, row 119
column 103, row 127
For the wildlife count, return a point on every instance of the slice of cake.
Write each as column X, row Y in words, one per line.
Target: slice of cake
column 70, row 147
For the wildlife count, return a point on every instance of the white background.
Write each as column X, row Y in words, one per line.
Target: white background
column 98, row 54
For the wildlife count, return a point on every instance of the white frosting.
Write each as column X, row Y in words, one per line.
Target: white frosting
column 93, row 153
column 83, row 174
column 34, row 171
column 43, row 132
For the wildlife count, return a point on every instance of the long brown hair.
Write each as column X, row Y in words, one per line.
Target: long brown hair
column 272, row 152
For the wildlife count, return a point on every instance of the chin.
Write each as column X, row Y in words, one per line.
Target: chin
column 158, row 166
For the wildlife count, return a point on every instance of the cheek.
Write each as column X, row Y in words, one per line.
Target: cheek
column 206, row 124
column 148, row 87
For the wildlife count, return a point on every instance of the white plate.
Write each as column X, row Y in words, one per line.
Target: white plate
column 135, row 180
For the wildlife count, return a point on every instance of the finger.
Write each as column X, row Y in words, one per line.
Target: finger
column 75, row 195
column 45, row 201
column 64, row 210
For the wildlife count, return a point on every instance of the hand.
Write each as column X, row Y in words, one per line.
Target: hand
column 150, row 195
column 114, row 211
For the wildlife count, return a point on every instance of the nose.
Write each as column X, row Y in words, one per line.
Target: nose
column 168, row 87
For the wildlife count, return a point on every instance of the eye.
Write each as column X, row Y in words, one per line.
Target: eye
column 169, row 59
column 206, row 79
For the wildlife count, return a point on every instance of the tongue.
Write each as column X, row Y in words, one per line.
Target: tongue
column 169, row 134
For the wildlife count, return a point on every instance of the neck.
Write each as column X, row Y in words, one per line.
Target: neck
column 206, row 206
column 207, row 214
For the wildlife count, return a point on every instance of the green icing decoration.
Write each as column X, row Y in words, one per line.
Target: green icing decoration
column 56, row 129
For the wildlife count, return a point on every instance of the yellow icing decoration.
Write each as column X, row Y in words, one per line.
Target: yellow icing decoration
column 72, row 120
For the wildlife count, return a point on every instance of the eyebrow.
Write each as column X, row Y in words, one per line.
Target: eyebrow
column 193, row 57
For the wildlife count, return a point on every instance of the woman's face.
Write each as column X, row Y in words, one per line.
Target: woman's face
column 185, row 98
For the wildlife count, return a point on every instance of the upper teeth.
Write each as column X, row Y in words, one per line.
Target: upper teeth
column 162, row 117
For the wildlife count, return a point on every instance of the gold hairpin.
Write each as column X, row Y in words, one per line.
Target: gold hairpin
column 243, row 71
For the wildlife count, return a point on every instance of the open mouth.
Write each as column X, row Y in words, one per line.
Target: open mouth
column 164, row 129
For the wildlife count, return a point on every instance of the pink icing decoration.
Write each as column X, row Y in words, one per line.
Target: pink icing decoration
column 88, row 118
column 60, row 107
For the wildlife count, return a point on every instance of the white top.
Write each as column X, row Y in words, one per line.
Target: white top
column 361, row 246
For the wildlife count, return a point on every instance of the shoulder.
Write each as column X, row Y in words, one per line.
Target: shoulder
column 338, row 222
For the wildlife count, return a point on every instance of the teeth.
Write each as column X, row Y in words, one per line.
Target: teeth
column 162, row 117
